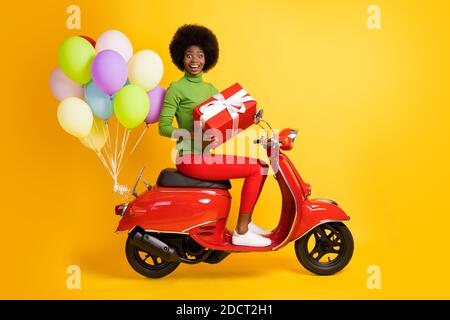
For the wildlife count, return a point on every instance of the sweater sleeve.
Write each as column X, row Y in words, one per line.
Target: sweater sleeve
column 170, row 107
column 214, row 89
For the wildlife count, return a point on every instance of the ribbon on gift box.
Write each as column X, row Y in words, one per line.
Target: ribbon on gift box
column 234, row 105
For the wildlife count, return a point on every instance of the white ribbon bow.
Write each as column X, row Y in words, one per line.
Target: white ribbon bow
column 234, row 105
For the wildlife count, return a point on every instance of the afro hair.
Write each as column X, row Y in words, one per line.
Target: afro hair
column 194, row 35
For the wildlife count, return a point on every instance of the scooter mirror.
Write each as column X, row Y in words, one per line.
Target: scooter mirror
column 258, row 116
column 133, row 192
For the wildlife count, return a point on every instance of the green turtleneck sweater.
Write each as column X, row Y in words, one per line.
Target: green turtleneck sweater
column 181, row 97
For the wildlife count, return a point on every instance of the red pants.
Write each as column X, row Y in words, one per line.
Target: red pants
column 224, row 167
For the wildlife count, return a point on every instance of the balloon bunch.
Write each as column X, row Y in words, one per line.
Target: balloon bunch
column 100, row 82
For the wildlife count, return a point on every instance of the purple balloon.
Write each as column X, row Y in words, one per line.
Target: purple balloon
column 109, row 71
column 156, row 97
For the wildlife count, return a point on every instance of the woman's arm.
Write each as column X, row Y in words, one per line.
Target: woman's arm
column 214, row 89
column 170, row 106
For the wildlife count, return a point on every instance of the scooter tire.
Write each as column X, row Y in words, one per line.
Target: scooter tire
column 326, row 268
column 159, row 269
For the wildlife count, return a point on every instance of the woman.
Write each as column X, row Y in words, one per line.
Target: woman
column 194, row 50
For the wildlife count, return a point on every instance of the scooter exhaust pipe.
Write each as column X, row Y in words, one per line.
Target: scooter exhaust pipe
column 154, row 246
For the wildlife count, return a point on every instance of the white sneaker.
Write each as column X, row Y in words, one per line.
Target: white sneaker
column 250, row 239
column 255, row 229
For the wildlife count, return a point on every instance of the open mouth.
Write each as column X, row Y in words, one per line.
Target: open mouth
column 194, row 67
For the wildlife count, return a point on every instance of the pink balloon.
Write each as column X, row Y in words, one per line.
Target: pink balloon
column 156, row 97
column 62, row 87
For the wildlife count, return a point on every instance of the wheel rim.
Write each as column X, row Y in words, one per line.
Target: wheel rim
column 149, row 261
column 325, row 246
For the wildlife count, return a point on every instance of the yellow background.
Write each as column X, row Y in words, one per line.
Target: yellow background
column 372, row 107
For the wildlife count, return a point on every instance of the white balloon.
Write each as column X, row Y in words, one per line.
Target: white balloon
column 117, row 41
column 75, row 117
column 145, row 69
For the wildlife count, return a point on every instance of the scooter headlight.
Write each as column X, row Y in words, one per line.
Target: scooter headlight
column 286, row 138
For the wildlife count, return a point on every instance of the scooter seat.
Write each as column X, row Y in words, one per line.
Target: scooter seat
column 170, row 177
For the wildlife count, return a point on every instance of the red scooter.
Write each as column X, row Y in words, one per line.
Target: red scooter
column 183, row 220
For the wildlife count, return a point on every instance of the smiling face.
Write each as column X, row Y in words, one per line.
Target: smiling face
column 194, row 60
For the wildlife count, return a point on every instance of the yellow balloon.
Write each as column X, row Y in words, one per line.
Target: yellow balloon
column 75, row 117
column 145, row 69
column 97, row 137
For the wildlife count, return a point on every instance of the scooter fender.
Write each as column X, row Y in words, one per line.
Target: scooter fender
column 316, row 212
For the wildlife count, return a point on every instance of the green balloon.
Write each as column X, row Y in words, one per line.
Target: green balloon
column 131, row 106
column 75, row 56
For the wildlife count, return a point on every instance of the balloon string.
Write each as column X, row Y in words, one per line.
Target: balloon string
column 97, row 152
column 139, row 140
column 108, row 141
column 124, row 138
column 103, row 129
column 124, row 146
column 107, row 145
column 104, row 136
column 115, row 149
column 113, row 171
column 121, row 189
column 106, row 158
column 135, row 145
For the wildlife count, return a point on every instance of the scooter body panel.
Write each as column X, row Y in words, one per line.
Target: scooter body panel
column 314, row 213
column 175, row 210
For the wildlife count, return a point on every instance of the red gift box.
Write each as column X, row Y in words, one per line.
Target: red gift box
column 229, row 111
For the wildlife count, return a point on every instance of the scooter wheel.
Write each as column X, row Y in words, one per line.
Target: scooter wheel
column 326, row 249
column 146, row 264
